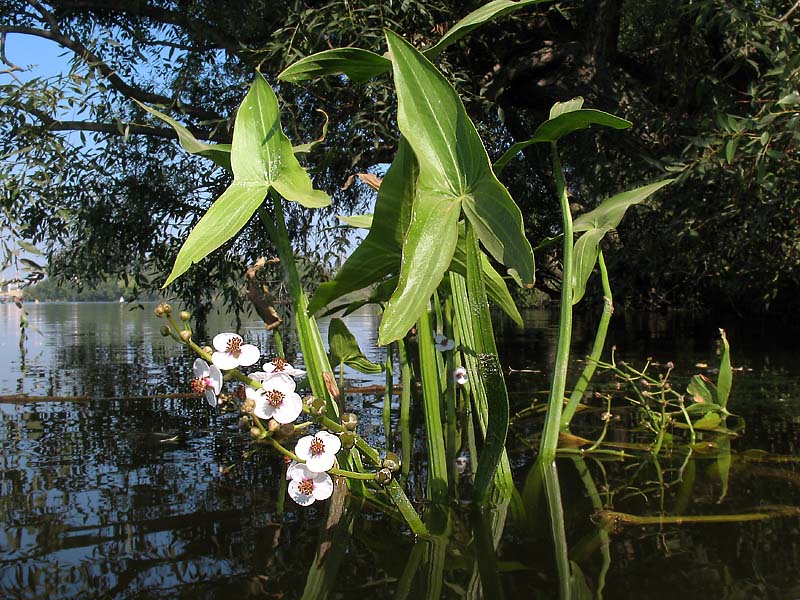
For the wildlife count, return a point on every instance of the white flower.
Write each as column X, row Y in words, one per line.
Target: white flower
column 460, row 375
column 231, row 352
column 306, row 487
column 207, row 380
column 279, row 365
column 319, row 451
column 442, row 344
column 277, row 400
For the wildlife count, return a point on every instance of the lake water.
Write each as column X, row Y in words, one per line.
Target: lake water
column 114, row 494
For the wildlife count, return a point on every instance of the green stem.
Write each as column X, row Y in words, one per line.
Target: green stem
column 555, row 402
column 431, row 402
column 597, row 348
column 405, row 409
column 387, row 398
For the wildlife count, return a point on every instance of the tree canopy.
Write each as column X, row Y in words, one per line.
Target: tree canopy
column 101, row 188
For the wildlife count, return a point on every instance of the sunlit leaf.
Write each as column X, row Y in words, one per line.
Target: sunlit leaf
column 454, row 172
column 698, row 390
column 219, row 153
column 709, row 421
column 357, row 64
column 484, row 14
column 261, row 158
column 596, row 223
column 28, row 247
column 358, row 221
column 565, row 118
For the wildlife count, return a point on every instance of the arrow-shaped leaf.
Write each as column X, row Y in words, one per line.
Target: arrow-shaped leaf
column 344, row 349
column 565, row 117
column 261, row 158
column 454, row 171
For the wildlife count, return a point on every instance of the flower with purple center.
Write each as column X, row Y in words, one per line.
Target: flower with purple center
column 319, row 451
column 231, row 352
column 306, row 486
column 443, row 344
column 279, row 365
column 460, row 375
column 207, row 380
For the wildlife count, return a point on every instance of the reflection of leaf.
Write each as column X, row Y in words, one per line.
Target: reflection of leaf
column 724, row 464
column 344, row 349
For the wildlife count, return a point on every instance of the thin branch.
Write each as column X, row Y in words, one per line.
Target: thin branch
column 110, row 74
column 788, row 14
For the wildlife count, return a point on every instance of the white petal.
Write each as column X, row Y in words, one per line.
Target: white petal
column 258, row 375
column 279, row 381
column 323, row 487
column 294, row 494
column 289, row 409
column 332, row 442
column 291, row 468
column 299, row 472
column 248, row 355
column 224, row 361
column 321, row 463
column 216, row 378
column 220, row 341
column 303, row 447
column 296, row 372
column 211, row 398
column 200, row 368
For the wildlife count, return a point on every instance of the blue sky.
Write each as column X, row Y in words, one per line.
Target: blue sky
column 46, row 57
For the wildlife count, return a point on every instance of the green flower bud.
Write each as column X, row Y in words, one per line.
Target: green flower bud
column 273, row 426
column 392, row 462
column 165, row 331
column 166, row 308
column 255, row 432
column 350, row 421
column 383, row 476
column 159, row 311
column 185, row 315
column 318, row 407
column 348, row 439
column 186, row 335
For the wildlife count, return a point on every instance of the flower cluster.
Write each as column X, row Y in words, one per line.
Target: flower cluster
column 272, row 396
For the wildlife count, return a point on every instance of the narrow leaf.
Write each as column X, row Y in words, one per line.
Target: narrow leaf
column 357, row 221
column 219, row 153
column 357, row 64
column 585, row 257
column 484, row 14
column 725, row 377
column 610, row 212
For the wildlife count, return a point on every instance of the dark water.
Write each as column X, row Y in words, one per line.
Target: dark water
column 108, row 497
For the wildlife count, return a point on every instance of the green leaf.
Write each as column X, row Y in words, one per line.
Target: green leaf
column 709, row 421
column 566, row 120
column 730, row 149
column 699, row 391
column 357, row 64
column 789, row 99
column 344, row 349
column 427, row 252
column 261, row 159
column 484, row 14
column 219, row 153
column 725, row 377
column 28, row 247
column 596, row 223
column 357, row 221
column 306, row 148
column 378, row 256
column 454, row 171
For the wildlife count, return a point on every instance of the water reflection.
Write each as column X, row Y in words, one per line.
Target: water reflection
column 124, row 498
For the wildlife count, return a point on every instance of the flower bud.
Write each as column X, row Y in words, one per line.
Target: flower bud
column 166, row 308
column 208, row 350
column 185, row 315
column 165, row 331
column 350, row 421
column 273, row 425
column 383, row 476
column 244, row 423
column 348, row 440
column 159, row 311
column 255, row 432
column 285, row 430
column 248, row 406
column 318, row 407
column 186, row 335
column 392, row 462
